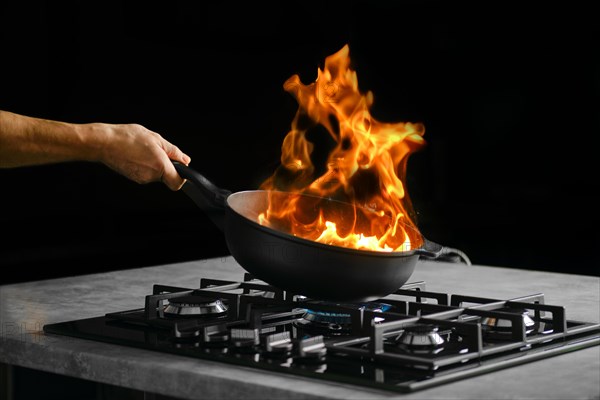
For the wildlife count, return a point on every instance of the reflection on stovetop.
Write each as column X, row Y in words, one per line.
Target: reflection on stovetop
column 406, row 341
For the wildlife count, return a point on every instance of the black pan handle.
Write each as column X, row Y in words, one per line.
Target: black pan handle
column 210, row 198
column 433, row 251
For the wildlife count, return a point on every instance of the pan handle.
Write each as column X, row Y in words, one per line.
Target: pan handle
column 210, row 198
column 433, row 251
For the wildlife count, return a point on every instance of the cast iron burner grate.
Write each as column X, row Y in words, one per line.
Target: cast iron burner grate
column 409, row 340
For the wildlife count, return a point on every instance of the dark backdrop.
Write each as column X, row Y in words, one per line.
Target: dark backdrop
column 509, row 98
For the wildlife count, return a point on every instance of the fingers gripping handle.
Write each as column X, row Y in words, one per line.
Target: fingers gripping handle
column 210, row 198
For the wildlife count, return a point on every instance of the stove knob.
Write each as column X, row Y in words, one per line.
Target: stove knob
column 245, row 338
column 279, row 344
column 312, row 349
column 215, row 334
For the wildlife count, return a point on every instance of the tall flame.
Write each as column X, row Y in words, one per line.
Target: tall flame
column 360, row 201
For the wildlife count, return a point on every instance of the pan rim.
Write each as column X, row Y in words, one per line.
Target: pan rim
column 329, row 247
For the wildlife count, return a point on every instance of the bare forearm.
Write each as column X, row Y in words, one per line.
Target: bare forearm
column 30, row 141
column 130, row 149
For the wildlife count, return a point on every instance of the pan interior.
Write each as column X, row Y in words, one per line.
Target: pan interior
column 250, row 204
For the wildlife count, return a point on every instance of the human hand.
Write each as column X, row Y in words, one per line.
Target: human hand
column 139, row 153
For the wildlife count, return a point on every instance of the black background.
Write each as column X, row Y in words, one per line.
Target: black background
column 509, row 98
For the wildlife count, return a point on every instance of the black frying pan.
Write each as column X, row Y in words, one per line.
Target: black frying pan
column 301, row 266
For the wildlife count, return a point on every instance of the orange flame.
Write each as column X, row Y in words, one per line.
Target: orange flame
column 360, row 202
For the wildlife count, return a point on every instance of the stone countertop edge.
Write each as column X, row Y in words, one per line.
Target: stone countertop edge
column 26, row 307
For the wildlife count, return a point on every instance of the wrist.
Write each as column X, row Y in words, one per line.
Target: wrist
column 94, row 139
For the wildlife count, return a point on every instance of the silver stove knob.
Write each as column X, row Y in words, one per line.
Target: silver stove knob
column 312, row 348
column 279, row 343
column 245, row 338
column 215, row 334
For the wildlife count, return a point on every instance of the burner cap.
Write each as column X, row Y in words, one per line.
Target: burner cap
column 325, row 322
column 336, row 322
column 500, row 325
column 327, row 317
column 195, row 306
column 421, row 336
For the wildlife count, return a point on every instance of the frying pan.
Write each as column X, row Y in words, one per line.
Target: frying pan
column 297, row 265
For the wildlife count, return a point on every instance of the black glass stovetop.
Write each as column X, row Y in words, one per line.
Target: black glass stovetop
column 410, row 340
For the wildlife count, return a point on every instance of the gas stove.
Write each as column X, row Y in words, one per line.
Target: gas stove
column 409, row 340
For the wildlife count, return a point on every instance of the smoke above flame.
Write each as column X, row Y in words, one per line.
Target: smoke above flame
column 360, row 201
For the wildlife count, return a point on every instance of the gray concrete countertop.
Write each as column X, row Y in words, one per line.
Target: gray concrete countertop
column 26, row 307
